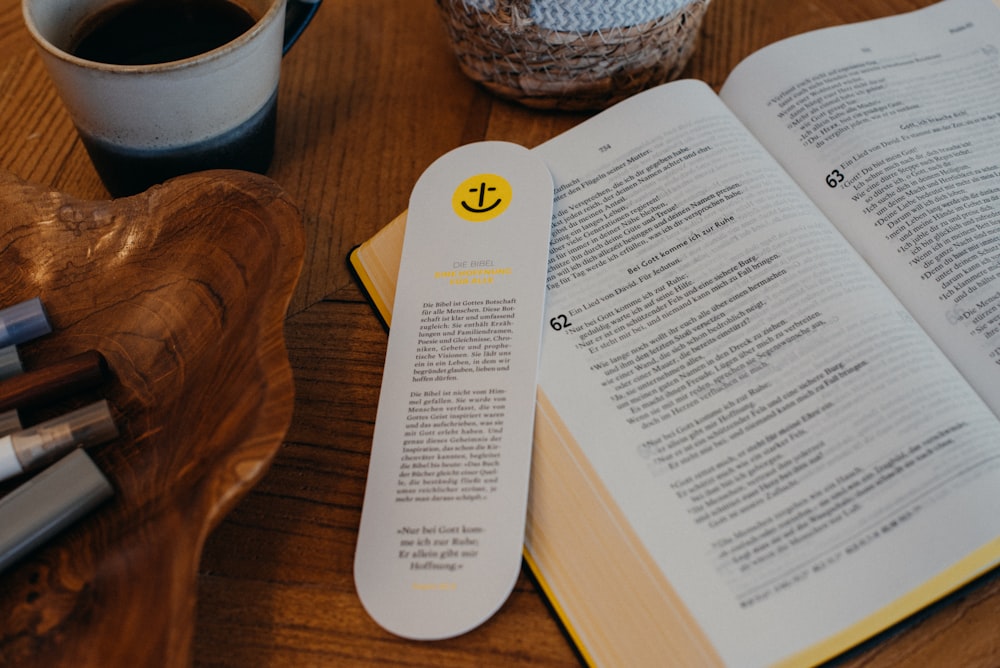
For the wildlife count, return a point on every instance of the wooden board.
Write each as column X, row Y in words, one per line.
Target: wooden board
column 184, row 290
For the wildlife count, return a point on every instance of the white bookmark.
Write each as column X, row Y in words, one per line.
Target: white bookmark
column 442, row 525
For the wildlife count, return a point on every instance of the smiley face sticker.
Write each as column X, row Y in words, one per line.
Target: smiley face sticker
column 481, row 197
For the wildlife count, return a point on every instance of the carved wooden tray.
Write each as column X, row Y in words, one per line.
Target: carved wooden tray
column 184, row 290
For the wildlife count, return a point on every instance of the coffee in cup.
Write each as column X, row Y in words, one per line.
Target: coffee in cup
column 147, row 32
column 159, row 88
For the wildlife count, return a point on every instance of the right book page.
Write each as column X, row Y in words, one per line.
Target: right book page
column 893, row 128
column 739, row 390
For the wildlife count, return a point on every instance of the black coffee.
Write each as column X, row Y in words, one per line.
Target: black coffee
column 144, row 32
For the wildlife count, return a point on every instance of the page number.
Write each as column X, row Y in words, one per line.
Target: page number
column 559, row 322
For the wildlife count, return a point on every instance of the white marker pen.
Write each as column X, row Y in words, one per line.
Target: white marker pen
column 36, row 446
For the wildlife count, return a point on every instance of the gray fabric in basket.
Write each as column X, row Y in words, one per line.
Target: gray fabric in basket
column 589, row 15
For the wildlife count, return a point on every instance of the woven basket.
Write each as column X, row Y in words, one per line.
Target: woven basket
column 504, row 46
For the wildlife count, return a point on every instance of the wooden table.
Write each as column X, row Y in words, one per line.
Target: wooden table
column 370, row 96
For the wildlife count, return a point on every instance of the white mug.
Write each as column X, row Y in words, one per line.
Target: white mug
column 145, row 123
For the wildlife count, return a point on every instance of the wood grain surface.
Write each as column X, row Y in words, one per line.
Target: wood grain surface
column 182, row 290
column 370, row 96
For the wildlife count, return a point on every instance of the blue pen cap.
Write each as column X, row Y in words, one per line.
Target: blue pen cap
column 10, row 362
column 23, row 322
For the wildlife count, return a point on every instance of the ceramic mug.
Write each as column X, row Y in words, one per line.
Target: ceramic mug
column 145, row 123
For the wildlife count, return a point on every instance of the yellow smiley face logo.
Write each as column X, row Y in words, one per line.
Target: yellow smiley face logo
column 481, row 197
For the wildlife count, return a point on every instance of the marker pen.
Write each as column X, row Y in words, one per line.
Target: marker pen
column 10, row 362
column 59, row 379
column 36, row 446
column 23, row 322
column 48, row 503
column 10, row 422
column 10, row 365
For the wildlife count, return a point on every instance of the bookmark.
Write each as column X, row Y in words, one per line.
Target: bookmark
column 442, row 524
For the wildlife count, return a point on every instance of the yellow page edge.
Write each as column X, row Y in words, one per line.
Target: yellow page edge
column 941, row 585
column 361, row 272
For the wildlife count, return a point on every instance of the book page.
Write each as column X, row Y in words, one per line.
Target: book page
column 762, row 409
column 893, row 128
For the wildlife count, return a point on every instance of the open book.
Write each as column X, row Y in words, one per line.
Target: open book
column 768, row 402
